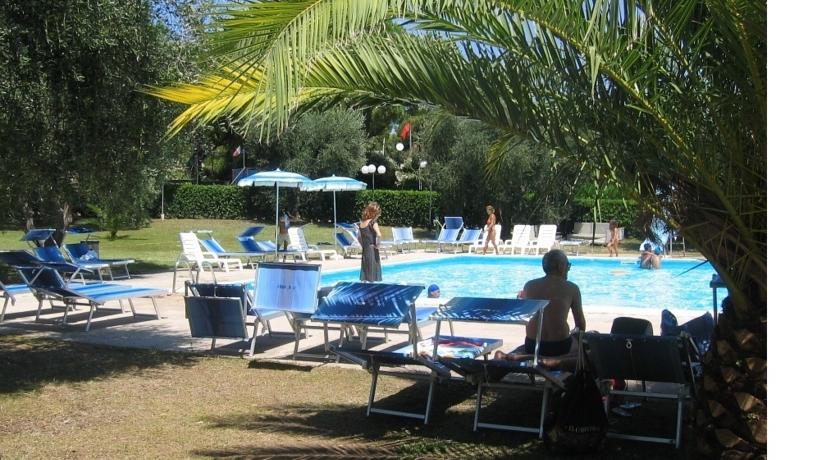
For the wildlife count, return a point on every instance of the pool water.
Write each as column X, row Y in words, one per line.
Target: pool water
column 603, row 282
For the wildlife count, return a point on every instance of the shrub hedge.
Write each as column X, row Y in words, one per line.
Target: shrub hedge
column 400, row 207
column 189, row 201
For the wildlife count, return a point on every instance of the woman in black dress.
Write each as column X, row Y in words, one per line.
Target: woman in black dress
column 369, row 237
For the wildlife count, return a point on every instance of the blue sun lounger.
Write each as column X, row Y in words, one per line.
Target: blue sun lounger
column 488, row 374
column 9, row 291
column 20, row 258
column 265, row 248
column 47, row 284
column 80, row 254
column 371, row 306
column 51, row 255
column 38, row 237
column 214, row 247
column 389, row 305
column 449, row 233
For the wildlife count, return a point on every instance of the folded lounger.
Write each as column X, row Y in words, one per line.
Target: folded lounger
column 81, row 254
column 217, row 310
column 645, row 358
column 285, row 290
column 47, row 284
column 487, row 374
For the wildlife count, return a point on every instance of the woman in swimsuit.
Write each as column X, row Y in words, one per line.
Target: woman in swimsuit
column 490, row 230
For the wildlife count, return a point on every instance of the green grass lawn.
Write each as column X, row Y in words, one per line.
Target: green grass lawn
column 156, row 247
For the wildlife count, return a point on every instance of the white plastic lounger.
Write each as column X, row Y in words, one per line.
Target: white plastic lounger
column 298, row 243
column 545, row 239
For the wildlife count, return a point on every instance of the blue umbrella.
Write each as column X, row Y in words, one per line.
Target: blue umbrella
column 276, row 179
column 335, row 184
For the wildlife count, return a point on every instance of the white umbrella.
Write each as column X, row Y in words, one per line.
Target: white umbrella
column 276, row 179
column 335, row 184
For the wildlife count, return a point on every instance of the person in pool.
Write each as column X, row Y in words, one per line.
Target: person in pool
column 433, row 292
column 649, row 258
column 564, row 297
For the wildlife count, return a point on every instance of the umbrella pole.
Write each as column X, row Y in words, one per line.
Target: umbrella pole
column 335, row 222
column 276, row 217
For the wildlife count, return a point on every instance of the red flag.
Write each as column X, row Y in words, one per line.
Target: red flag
column 237, row 152
column 405, row 132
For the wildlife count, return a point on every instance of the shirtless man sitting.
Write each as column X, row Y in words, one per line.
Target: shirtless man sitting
column 563, row 297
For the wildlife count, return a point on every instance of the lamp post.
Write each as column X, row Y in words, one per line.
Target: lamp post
column 373, row 170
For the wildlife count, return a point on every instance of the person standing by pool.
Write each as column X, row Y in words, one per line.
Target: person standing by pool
column 490, row 230
column 612, row 244
column 283, row 230
column 369, row 237
column 564, row 297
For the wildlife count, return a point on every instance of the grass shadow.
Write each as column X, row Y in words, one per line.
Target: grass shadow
column 345, row 431
column 29, row 362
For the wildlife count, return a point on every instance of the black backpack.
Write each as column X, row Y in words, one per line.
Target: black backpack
column 579, row 424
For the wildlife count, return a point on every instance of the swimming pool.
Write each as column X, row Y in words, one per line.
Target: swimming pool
column 603, row 282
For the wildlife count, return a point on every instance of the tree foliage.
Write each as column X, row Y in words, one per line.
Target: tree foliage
column 74, row 130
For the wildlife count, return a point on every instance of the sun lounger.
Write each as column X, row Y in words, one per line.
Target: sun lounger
column 298, row 243
column 479, row 245
column 348, row 248
column 9, row 291
column 644, row 358
column 449, row 233
column 52, row 255
column 519, row 239
column 468, row 238
column 81, row 254
column 217, row 310
column 488, row 374
column 370, row 307
column 214, row 247
column 38, row 237
column 545, row 239
column 21, row 258
column 285, row 290
column 403, row 238
column 47, row 284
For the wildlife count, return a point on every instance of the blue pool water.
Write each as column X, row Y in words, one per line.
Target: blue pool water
column 603, row 282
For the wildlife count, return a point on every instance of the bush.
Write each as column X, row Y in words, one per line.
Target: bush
column 400, row 207
column 190, row 201
column 625, row 212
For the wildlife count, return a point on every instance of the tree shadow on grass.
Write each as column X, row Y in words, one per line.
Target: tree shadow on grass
column 28, row 362
column 344, row 431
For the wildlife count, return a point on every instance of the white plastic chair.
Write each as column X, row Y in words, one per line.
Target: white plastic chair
column 298, row 243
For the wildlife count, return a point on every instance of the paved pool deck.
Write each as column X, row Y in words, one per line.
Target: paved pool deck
column 110, row 326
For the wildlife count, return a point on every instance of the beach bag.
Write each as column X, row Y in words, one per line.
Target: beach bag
column 579, row 423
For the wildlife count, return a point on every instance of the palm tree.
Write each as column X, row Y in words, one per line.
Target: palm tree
column 665, row 99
